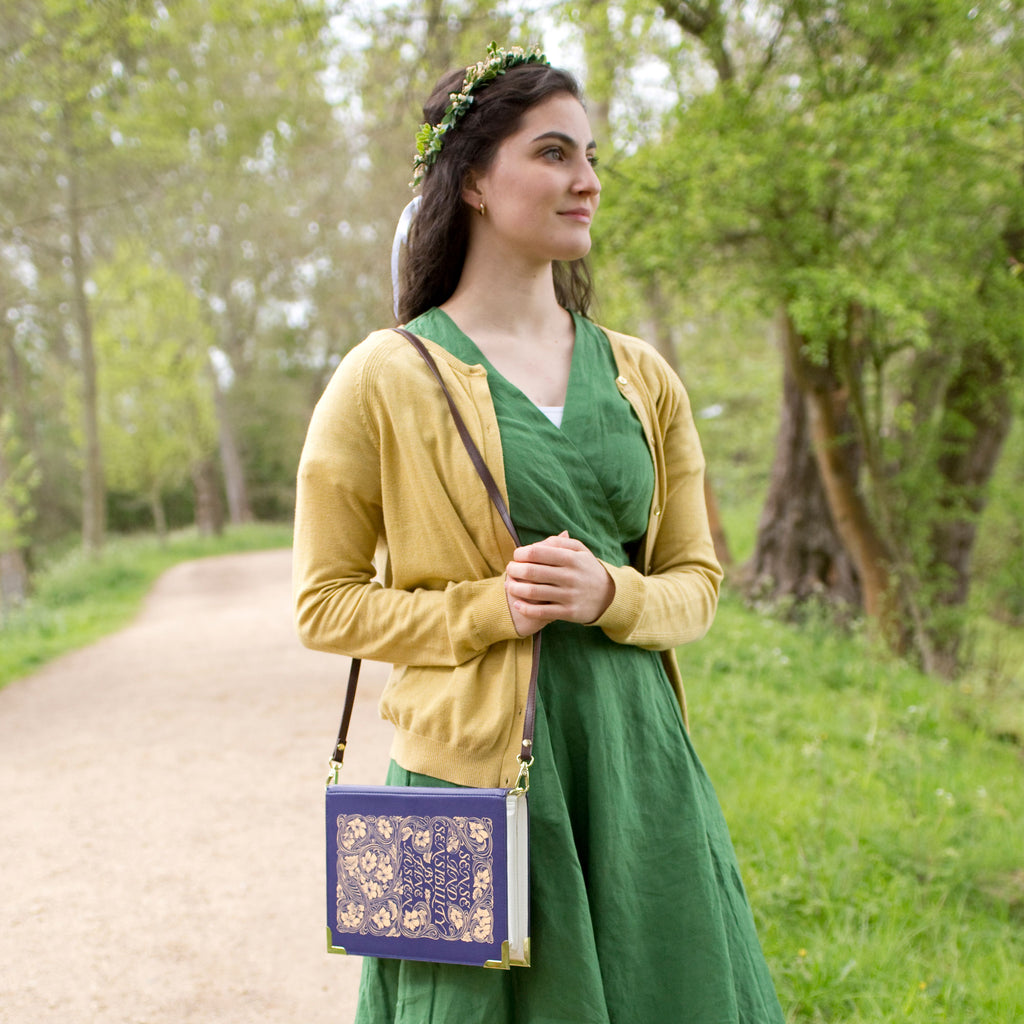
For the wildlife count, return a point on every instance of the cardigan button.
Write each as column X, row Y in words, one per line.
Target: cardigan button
column 621, row 381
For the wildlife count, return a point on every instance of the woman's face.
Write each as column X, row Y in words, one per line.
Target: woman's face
column 541, row 191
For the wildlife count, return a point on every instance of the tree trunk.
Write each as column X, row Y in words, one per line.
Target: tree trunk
column 230, row 460
column 209, row 507
column 973, row 431
column 709, row 26
column 831, row 431
column 13, row 580
column 93, row 486
column 156, row 505
column 798, row 552
column 14, row 583
column 602, row 63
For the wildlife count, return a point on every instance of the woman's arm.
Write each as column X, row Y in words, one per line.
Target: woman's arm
column 339, row 518
column 673, row 599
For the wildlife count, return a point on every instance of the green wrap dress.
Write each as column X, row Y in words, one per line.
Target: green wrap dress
column 638, row 913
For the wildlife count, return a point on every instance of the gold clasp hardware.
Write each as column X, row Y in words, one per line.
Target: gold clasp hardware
column 336, row 763
column 523, row 782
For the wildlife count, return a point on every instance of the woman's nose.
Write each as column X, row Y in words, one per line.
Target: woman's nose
column 588, row 180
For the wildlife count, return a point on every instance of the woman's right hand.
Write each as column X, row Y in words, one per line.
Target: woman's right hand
column 557, row 578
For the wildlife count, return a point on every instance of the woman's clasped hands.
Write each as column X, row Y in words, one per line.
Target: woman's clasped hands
column 556, row 578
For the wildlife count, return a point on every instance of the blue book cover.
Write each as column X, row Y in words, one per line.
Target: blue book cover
column 428, row 874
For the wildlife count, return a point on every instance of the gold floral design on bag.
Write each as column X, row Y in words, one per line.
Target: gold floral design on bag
column 429, row 878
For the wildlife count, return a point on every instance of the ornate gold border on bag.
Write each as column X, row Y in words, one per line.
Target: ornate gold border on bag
column 416, row 877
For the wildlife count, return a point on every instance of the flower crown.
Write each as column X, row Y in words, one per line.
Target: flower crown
column 430, row 138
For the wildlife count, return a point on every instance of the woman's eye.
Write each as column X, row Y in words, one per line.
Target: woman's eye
column 593, row 160
column 554, row 153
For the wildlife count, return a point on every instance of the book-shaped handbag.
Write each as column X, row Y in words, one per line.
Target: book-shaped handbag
column 437, row 874
column 429, row 874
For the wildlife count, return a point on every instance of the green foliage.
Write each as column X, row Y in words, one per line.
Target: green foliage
column 80, row 597
column 839, row 156
column 871, row 190
column 999, row 556
column 19, row 475
column 34, row 385
column 259, row 221
column 203, row 128
column 152, row 341
column 271, row 455
column 875, row 822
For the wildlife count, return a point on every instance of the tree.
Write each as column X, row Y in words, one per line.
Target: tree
column 68, row 68
column 156, row 409
column 179, row 122
column 18, row 476
column 248, row 215
column 859, row 165
column 614, row 37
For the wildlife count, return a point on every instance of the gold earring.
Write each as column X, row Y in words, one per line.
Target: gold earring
column 483, row 210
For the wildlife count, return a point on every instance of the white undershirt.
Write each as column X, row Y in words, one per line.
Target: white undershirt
column 553, row 413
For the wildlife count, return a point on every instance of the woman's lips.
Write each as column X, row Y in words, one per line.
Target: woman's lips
column 581, row 213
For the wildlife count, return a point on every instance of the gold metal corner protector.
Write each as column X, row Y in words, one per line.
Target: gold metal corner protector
column 504, row 963
column 331, row 947
column 506, row 960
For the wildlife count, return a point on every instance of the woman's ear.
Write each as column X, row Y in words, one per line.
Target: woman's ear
column 472, row 194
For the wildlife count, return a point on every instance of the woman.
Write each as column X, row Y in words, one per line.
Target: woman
column 638, row 912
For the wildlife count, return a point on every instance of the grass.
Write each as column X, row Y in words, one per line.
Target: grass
column 879, row 826
column 879, row 820
column 80, row 598
column 996, row 676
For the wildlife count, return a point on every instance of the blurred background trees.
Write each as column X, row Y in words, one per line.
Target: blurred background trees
column 816, row 210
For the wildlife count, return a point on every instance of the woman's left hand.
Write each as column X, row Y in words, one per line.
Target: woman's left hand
column 556, row 578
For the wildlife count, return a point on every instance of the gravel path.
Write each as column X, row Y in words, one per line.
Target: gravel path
column 161, row 841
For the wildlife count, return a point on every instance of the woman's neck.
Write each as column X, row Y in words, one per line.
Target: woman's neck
column 495, row 298
column 514, row 318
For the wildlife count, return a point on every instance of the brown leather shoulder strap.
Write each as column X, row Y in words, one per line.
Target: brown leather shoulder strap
column 460, row 425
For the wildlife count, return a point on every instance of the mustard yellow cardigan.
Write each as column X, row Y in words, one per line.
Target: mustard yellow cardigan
column 384, row 471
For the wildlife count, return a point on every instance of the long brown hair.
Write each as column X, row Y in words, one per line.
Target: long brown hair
column 440, row 233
